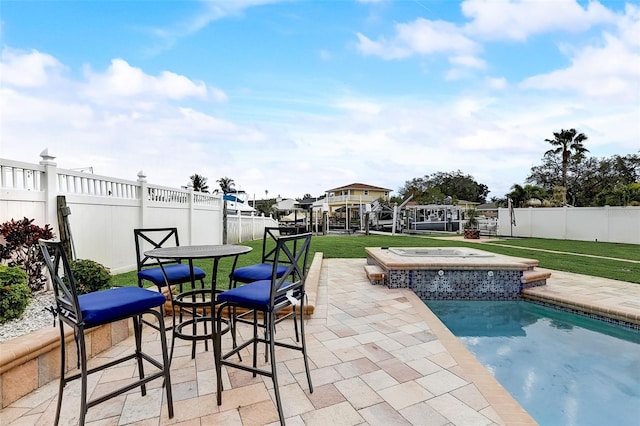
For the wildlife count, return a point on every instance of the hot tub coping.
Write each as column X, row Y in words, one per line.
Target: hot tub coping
column 387, row 260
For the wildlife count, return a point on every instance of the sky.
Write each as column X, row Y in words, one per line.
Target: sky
column 289, row 98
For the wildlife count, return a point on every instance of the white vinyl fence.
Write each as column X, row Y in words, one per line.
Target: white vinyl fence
column 606, row 224
column 105, row 210
column 247, row 227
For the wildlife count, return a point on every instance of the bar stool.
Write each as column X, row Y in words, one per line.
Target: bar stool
column 83, row 312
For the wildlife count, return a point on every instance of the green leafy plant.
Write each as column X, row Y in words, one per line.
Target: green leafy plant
column 14, row 292
column 20, row 248
column 472, row 219
column 90, row 276
column 471, row 230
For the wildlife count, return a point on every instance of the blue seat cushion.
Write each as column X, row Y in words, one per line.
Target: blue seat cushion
column 254, row 295
column 176, row 274
column 257, row 272
column 105, row 306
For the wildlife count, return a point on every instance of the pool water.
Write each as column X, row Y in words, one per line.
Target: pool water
column 564, row 369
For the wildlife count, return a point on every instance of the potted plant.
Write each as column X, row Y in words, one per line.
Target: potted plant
column 471, row 230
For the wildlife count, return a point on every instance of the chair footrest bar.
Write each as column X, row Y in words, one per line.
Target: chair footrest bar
column 102, row 367
column 236, row 350
column 247, row 368
column 189, row 323
column 124, row 389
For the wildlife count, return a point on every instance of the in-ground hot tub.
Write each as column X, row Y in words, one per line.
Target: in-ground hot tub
column 461, row 252
column 451, row 272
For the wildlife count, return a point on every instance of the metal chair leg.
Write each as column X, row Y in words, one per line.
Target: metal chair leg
column 83, row 378
column 304, row 345
column 166, row 362
column 63, row 363
column 255, row 340
column 274, row 374
column 217, row 354
column 137, row 331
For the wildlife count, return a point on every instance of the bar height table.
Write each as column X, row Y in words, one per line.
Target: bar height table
column 196, row 301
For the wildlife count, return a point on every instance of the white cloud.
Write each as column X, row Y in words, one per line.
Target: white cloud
column 468, row 61
column 468, row 107
column 610, row 71
column 454, row 74
column 420, row 37
column 27, row 69
column 519, row 19
column 497, row 83
column 121, row 80
column 629, row 25
column 359, row 106
column 213, row 10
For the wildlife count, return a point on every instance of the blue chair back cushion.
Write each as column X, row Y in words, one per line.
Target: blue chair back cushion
column 258, row 272
column 254, row 295
column 175, row 274
column 105, row 306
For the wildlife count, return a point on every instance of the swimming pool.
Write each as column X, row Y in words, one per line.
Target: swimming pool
column 564, row 369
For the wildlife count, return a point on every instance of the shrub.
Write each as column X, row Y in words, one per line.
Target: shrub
column 14, row 292
column 90, row 276
column 472, row 219
column 21, row 248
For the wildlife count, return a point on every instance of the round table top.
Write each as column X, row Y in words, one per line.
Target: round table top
column 198, row 252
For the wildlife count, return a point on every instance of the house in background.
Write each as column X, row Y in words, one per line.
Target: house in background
column 488, row 210
column 346, row 204
column 466, row 205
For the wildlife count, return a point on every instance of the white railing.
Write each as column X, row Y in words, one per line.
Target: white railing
column 72, row 182
column 20, row 176
column 353, row 199
column 167, row 195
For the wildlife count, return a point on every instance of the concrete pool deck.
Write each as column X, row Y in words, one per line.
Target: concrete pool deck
column 378, row 356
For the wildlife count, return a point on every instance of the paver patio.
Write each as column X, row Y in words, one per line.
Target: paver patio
column 378, row 357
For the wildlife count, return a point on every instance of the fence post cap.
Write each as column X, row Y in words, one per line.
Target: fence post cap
column 46, row 158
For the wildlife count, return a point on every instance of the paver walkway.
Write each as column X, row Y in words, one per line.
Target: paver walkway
column 378, row 357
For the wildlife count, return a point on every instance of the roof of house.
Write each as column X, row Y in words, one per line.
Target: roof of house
column 467, row 203
column 359, row 186
column 307, row 201
column 487, row 206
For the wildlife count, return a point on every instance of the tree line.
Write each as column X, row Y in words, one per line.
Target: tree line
column 565, row 176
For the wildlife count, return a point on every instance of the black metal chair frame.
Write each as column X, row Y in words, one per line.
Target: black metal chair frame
column 166, row 235
column 157, row 238
column 269, row 240
column 296, row 251
column 269, row 245
column 69, row 312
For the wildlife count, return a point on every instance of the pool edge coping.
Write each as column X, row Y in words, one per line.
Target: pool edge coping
column 505, row 405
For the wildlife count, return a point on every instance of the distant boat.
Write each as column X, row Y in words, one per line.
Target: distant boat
column 236, row 200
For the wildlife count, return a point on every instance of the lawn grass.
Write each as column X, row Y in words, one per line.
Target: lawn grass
column 354, row 247
column 615, row 250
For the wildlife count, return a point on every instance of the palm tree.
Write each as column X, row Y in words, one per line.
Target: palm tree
column 569, row 144
column 199, row 183
column 535, row 192
column 226, row 184
column 518, row 195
